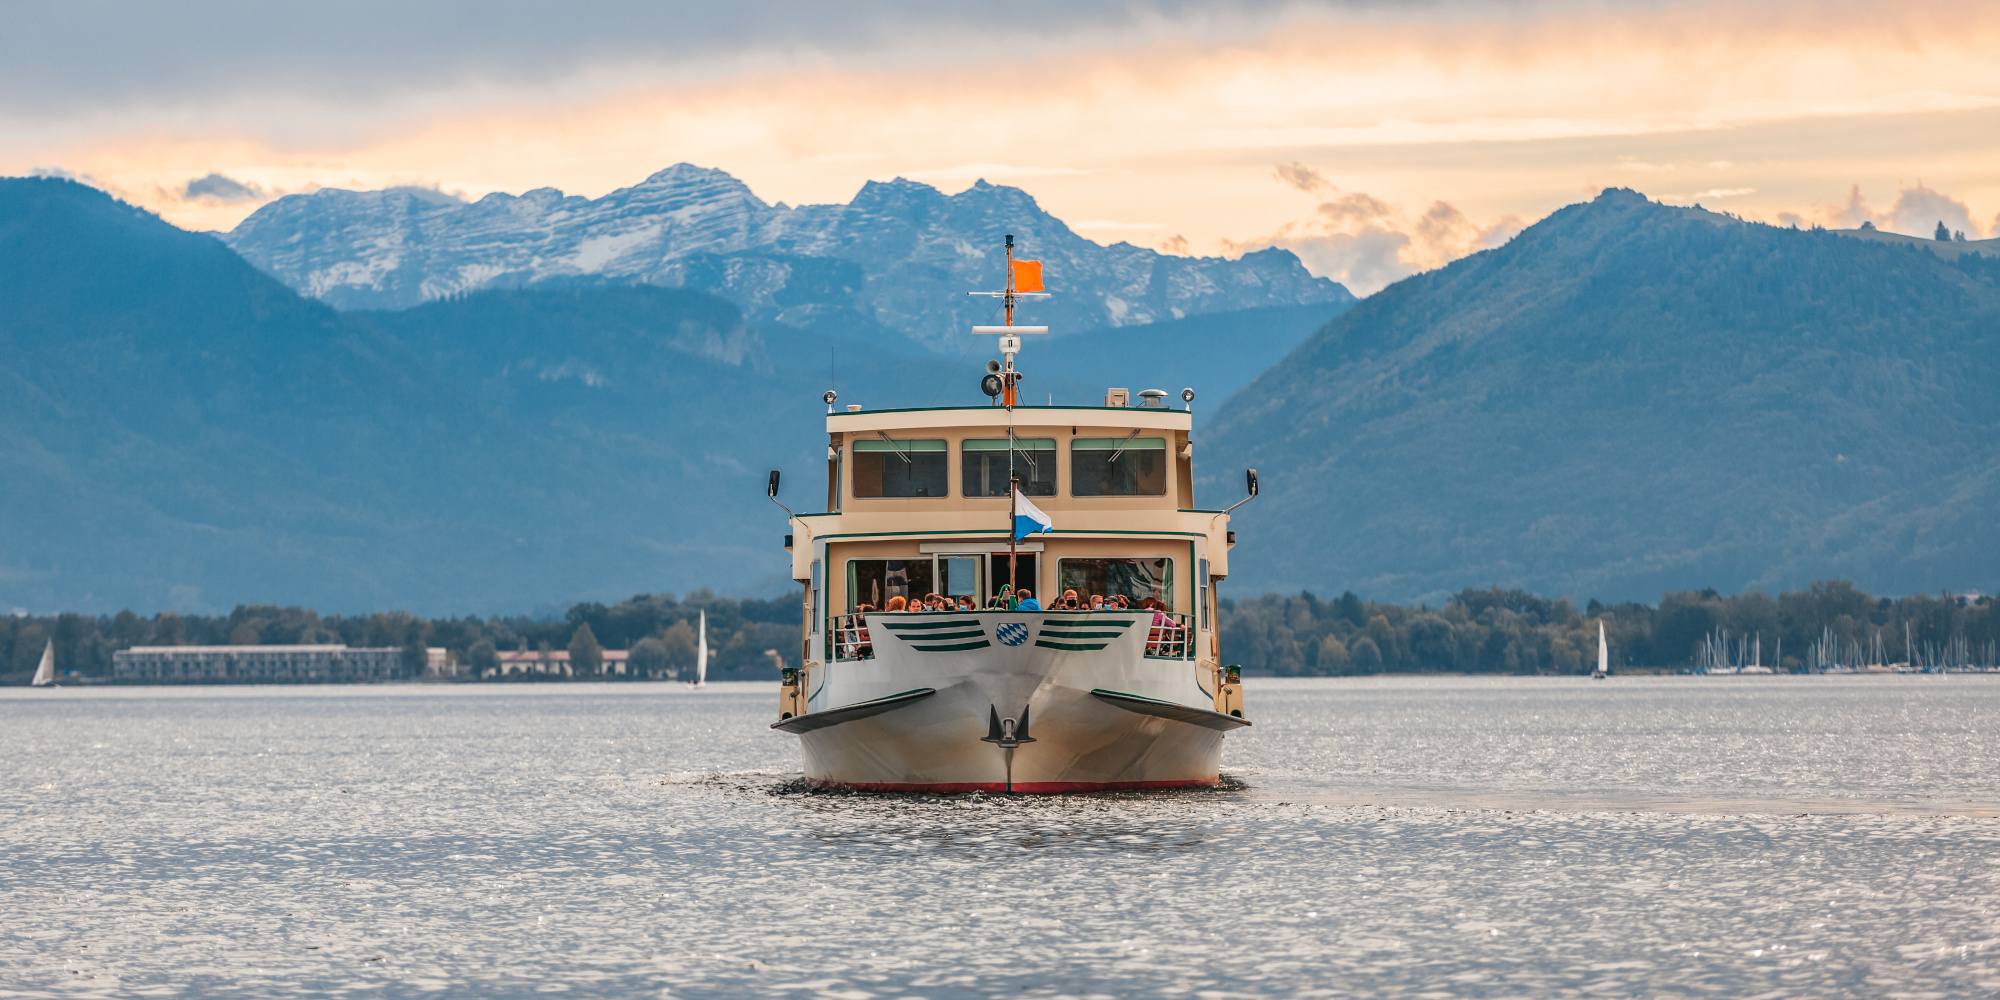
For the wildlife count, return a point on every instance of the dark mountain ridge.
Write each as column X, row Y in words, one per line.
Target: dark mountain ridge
column 179, row 430
column 1630, row 398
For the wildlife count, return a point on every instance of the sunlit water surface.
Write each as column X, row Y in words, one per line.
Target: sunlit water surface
column 1774, row 837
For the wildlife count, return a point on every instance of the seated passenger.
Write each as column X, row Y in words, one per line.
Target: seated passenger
column 897, row 604
column 1158, row 640
column 1028, row 602
column 854, row 636
column 965, row 603
column 1067, row 602
column 1097, row 602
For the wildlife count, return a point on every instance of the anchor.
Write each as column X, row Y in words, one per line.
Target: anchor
column 1006, row 734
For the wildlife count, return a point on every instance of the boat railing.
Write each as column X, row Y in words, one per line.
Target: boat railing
column 847, row 638
column 1170, row 637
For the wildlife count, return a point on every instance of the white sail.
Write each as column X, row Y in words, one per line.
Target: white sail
column 45, row 674
column 1603, row 653
column 701, row 654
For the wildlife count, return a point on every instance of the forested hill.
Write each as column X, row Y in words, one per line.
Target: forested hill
column 179, row 430
column 1628, row 399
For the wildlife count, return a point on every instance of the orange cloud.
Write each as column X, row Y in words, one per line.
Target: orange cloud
column 1501, row 114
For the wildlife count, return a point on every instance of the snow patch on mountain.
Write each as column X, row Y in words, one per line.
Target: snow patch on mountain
column 900, row 255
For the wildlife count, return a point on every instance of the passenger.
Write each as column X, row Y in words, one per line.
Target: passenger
column 1067, row 602
column 965, row 603
column 1097, row 602
column 1124, row 603
column 897, row 604
column 1028, row 602
column 859, row 645
column 1158, row 640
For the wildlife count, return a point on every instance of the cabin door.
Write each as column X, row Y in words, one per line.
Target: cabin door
column 1024, row 574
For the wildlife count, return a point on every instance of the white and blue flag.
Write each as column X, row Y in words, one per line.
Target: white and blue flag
column 1028, row 518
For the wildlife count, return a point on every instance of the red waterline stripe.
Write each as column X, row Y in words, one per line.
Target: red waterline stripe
column 1020, row 787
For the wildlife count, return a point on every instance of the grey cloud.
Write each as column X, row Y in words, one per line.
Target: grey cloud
column 1365, row 243
column 1302, row 177
column 58, row 57
column 1916, row 212
column 217, row 189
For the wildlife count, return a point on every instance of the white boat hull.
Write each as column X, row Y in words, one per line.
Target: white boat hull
column 1056, row 667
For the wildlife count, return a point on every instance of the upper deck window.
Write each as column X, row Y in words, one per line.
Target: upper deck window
column 1118, row 467
column 986, row 466
column 900, row 468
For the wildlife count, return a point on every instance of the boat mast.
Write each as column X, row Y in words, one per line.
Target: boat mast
column 1013, row 536
column 1009, row 399
column 1008, row 394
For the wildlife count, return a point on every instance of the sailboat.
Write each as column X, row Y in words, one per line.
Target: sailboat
column 1603, row 656
column 45, row 674
column 701, row 656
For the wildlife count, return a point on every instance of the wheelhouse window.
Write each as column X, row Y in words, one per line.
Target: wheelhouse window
column 1118, row 467
column 985, row 466
column 1135, row 579
column 874, row 581
column 885, row 467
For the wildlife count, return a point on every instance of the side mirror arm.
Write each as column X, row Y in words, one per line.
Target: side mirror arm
column 1250, row 482
column 771, row 490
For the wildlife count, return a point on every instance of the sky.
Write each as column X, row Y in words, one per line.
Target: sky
column 1374, row 139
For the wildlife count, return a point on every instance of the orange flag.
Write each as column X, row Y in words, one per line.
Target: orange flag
column 1027, row 275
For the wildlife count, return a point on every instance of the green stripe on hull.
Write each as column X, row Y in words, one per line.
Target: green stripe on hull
column 1048, row 633
column 1074, row 647
column 915, row 626
column 1085, row 622
column 941, row 636
column 981, row 644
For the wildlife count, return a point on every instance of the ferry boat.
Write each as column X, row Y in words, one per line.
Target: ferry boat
column 1001, row 510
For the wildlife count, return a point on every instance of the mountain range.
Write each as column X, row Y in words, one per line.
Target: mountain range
column 180, row 430
column 1626, row 398
column 899, row 257
column 1629, row 398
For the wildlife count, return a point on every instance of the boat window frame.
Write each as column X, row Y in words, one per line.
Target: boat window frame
column 1009, row 444
column 1118, row 447
column 906, row 449
column 1164, row 592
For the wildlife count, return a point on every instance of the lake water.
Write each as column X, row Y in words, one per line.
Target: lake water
column 1659, row 837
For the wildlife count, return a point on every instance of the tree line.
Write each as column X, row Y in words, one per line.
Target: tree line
column 1514, row 632
column 660, row 631
column 1476, row 631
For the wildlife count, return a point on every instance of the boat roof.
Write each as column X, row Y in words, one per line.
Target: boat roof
column 1144, row 417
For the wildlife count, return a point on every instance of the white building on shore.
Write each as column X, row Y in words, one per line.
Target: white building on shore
column 332, row 664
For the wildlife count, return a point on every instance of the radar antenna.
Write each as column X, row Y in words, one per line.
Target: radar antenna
column 1024, row 280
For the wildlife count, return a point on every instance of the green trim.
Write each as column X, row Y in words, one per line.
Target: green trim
column 1183, row 510
column 1072, row 646
column 1081, row 635
column 909, row 445
column 911, row 626
column 962, row 647
column 1118, row 444
column 949, row 409
column 940, row 636
column 1176, row 659
column 1000, row 444
column 1087, row 622
column 1002, row 532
